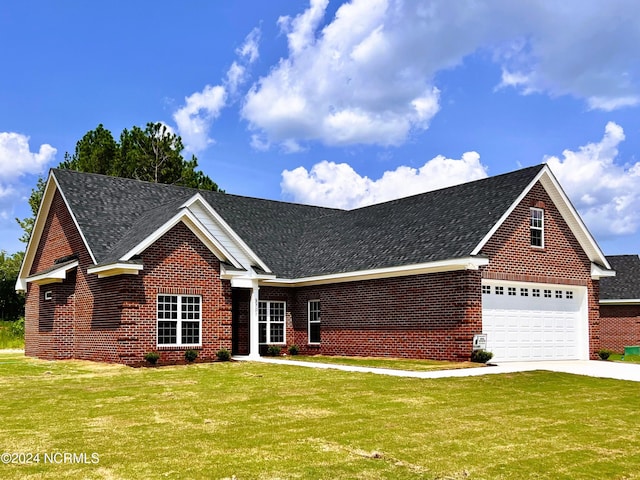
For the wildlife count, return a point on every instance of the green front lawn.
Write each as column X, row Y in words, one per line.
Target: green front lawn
column 392, row 363
column 618, row 357
column 264, row 421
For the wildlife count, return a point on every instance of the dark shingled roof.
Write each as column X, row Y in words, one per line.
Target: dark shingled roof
column 298, row 241
column 626, row 284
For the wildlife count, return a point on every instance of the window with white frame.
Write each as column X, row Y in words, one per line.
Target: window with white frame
column 314, row 321
column 271, row 322
column 537, row 227
column 179, row 320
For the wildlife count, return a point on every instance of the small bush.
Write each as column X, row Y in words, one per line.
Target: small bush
column 294, row 350
column 604, row 354
column 223, row 355
column 152, row 357
column 16, row 328
column 274, row 350
column 190, row 355
column 481, row 356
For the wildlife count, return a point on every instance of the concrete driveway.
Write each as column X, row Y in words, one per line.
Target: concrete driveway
column 592, row 368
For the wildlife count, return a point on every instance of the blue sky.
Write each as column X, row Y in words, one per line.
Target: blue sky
column 336, row 103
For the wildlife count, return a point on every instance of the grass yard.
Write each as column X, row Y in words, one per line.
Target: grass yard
column 618, row 357
column 392, row 363
column 263, row 421
column 10, row 336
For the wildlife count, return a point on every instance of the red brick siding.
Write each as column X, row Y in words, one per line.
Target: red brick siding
column 561, row 261
column 620, row 326
column 49, row 327
column 178, row 263
column 422, row 316
column 114, row 319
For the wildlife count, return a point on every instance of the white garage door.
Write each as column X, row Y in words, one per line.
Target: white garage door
column 525, row 321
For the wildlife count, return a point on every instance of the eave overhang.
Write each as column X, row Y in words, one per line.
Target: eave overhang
column 56, row 274
column 598, row 272
column 451, row 265
column 116, row 268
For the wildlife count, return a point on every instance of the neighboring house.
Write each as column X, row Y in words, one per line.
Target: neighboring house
column 116, row 268
column 620, row 304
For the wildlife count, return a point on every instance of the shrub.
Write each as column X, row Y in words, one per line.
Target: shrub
column 190, row 355
column 274, row 350
column 481, row 356
column 152, row 357
column 294, row 350
column 604, row 354
column 16, row 328
column 223, row 355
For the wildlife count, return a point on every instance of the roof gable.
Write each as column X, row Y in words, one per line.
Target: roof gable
column 566, row 209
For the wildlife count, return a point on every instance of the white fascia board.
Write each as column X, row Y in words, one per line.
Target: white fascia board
column 189, row 219
column 621, row 301
column 227, row 229
column 597, row 272
column 117, row 268
column 53, row 276
column 466, row 263
column 566, row 209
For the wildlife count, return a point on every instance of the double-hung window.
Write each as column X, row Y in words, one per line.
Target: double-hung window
column 179, row 320
column 537, row 227
column 271, row 322
column 314, row 321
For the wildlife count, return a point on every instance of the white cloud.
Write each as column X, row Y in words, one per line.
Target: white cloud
column 606, row 194
column 195, row 118
column 249, row 50
column 368, row 75
column 337, row 185
column 16, row 158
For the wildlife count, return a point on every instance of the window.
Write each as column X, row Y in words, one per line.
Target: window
column 271, row 316
column 524, row 292
column 314, row 321
column 537, row 227
column 568, row 294
column 512, row 290
column 179, row 320
column 486, row 289
column 499, row 290
column 535, row 292
column 547, row 294
column 558, row 293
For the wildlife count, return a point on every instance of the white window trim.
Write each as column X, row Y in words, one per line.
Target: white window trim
column 178, row 321
column 541, row 228
column 268, row 322
column 309, row 321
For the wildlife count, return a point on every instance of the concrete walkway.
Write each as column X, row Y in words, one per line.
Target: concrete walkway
column 614, row 370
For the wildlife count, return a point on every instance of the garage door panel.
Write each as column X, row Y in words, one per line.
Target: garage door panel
column 537, row 323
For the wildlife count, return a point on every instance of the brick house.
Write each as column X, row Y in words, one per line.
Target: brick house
column 116, row 268
column 620, row 304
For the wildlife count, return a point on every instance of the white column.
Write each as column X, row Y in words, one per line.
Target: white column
column 254, row 344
